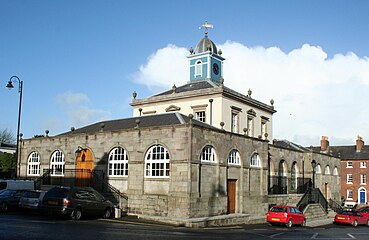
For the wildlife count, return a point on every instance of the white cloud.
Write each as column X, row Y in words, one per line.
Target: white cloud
column 167, row 66
column 77, row 108
column 314, row 95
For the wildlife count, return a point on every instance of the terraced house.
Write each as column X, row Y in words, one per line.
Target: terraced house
column 197, row 150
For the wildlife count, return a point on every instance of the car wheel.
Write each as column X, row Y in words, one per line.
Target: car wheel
column 354, row 223
column 107, row 213
column 3, row 207
column 289, row 224
column 76, row 214
column 303, row 224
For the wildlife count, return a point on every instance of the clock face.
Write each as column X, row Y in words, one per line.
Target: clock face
column 216, row 69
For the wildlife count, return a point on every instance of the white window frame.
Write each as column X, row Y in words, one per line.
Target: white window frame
column 362, row 164
column 33, row 168
column 198, row 68
column 327, row 170
column 250, row 126
column 118, row 162
column 208, row 154
column 157, row 162
column 200, row 115
column 57, row 163
column 234, row 157
column 318, row 169
column 349, row 164
column 363, row 179
column 349, row 194
column 349, row 178
column 234, row 121
column 255, row 160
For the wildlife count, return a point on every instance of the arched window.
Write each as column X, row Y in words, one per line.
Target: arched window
column 208, row 154
column 318, row 169
column 335, row 171
column 33, row 164
column 282, row 178
column 255, row 160
column 57, row 163
column 157, row 162
column 118, row 162
column 198, row 68
column 294, row 171
column 327, row 170
column 234, row 157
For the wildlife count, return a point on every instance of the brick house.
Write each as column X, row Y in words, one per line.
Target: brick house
column 354, row 170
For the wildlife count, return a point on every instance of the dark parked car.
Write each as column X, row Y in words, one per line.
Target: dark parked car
column 76, row 202
column 10, row 199
column 31, row 200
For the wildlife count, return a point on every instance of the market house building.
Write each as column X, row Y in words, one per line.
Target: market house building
column 197, row 150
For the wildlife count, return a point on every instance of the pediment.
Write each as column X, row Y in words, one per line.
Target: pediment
column 251, row 112
column 172, row 108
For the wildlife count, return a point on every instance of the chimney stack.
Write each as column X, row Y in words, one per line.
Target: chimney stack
column 324, row 144
column 359, row 143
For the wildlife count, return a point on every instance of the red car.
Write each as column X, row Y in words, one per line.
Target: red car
column 353, row 218
column 287, row 215
column 364, row 211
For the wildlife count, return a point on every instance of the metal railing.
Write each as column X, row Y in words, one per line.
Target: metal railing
column 284, row 185
column 335, row 206
column 313, row 195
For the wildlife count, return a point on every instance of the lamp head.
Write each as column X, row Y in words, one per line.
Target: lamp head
column 10, row 85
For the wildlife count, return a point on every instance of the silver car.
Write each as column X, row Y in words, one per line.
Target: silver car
column 31, row 200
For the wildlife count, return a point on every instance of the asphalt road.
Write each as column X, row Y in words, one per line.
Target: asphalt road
column 16, row 226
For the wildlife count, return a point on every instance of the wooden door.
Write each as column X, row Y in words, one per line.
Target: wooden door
column 231, row 192
column 84, row 167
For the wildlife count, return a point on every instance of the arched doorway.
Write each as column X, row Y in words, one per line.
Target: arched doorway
column 294, row 172
column 362, row 195
column 282, row 178
column 84, row 167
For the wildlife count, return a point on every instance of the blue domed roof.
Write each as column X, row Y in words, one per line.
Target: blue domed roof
column 205, row 45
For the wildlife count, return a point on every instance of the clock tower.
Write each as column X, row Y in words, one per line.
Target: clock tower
column 206, row 62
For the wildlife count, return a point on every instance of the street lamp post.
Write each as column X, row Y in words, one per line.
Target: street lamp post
column 313, row 164
column 10, row 86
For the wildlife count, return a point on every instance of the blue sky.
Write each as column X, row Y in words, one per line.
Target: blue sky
column 80, row 61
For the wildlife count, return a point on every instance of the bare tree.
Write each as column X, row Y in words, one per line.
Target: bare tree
column 6, row 136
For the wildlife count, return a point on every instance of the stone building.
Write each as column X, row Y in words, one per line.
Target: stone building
column 197, row 150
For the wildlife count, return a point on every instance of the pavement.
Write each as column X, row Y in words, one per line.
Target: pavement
column 319, row 222
column 204, row 223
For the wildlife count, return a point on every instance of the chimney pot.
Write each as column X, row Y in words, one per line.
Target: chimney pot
column 324, row 144
column 359, row 143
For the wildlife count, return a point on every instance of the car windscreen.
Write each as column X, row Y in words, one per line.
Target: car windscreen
column 57, row 193
column 7, row 192
column 278, row 209
column 32, row 194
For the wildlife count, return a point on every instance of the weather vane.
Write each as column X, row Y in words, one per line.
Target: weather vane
column 206, row 26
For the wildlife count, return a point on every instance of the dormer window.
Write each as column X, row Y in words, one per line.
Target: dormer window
column 198, row 68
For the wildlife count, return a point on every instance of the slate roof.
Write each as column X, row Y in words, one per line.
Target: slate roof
column 7, row 145
column 207, row 84
column 348, row 152
column 192, row 86
column 289, row 145
column 145, row 121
